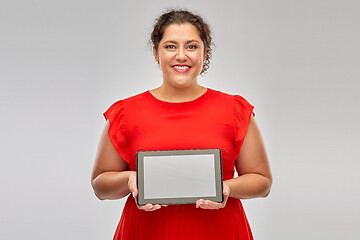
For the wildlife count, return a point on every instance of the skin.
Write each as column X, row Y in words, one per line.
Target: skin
column 182, row 45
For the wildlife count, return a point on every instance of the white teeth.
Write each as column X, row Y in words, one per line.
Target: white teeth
column 181, row 67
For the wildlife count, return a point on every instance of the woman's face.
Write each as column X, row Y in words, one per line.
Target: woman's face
column 180, row 55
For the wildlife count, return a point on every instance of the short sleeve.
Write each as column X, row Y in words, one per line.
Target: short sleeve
column 117, row 133
column 243, row 111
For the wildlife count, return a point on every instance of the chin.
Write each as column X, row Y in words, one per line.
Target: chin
column 182, row 85
column 183, row 82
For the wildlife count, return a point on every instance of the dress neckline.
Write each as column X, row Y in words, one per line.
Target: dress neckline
column 202, row 96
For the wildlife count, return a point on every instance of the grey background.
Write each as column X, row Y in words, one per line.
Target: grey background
column 62, row 63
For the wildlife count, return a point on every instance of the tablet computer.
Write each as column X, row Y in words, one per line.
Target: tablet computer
column 179, row 176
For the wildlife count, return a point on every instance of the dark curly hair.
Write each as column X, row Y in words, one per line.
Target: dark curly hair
column 180, row 17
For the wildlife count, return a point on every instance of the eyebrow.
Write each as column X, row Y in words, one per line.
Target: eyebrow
column 187, row 42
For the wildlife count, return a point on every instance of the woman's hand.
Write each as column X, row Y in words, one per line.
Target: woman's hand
column 134, row 191
column 207, row 204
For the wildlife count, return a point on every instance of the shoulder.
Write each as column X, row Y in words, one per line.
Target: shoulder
column 228, row 97
column 118, row 106
column 237, row 103
column 219, row 94
column 221, row 97
column 134, row 99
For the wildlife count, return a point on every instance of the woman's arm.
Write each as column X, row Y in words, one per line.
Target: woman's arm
column 111, row 173
column 252, row 165
column 253, row 169
column 111, row 178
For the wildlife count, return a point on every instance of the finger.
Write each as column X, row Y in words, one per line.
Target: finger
column 134, row 193
column 154, row 208
column 213, row 205
column 208, row 205
column 132, row 185
column 199, row 203
column 147, row 207
column 226, row 196
column 226, row 193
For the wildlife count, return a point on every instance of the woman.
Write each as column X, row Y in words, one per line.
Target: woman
column 181, row 114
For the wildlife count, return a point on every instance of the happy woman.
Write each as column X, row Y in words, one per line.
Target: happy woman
column 182, row 114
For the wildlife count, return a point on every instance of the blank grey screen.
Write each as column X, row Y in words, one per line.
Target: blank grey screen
column 179, row 176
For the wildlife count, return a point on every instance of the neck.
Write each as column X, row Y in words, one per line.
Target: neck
column 172, row 94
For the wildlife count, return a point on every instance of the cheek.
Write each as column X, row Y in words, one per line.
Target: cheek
column 198, row 59
column 163, row 57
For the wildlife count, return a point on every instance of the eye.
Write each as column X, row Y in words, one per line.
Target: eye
column 170, row 47
column 193, row 47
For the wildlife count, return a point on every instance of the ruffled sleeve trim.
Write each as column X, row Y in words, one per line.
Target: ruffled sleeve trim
column 117, row 133
column 243, row 111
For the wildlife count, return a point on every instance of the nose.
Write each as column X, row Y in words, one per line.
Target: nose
column 181, row 55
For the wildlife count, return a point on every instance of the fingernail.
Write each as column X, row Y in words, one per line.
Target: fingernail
column 227, row 192
column 151, row 207
column 133, row 194
column 206, row 203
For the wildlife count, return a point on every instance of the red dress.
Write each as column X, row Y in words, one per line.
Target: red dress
column 214, row 120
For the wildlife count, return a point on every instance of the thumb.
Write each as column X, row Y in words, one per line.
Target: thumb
column 132, row 185
column 226, row 191
column 134, row 193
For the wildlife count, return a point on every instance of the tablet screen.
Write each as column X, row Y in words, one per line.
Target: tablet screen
column 178, row 177
column 186, row 176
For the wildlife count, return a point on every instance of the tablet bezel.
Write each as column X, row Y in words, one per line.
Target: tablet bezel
column 181, row 200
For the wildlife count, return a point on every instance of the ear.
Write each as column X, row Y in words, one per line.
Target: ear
column 156, row 55
column 205, row 57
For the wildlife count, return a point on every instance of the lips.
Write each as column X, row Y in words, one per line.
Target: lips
column 181, row 68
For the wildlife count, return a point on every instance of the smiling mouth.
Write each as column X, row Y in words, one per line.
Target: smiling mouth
column 181, row 67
